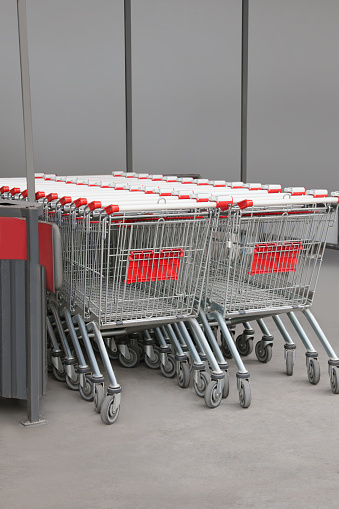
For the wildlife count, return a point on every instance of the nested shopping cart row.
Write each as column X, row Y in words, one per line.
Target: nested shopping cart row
column 141, row 262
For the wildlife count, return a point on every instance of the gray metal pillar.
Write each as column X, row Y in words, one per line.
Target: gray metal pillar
column 32, row 317
column 244, row 89
column 26, row 98
column 128, row 84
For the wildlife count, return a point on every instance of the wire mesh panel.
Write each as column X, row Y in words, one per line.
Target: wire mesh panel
column 135, row 267
column 267, row 258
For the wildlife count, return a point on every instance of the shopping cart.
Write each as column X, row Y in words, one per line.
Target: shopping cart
column 89, row 259
column 265, row 260
column 130, row 270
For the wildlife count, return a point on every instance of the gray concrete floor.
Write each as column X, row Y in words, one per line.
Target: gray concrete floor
column 168, row 450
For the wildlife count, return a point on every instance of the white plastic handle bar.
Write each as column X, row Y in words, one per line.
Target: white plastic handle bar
column 153, row 207
column 293, row 200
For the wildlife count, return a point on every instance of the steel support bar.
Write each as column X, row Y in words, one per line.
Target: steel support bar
column 128, row 84
column 62, row 335
column 32, row 317
column 73, row 335
column 229, row 340
column 302, row 334
column 211, row 338
column 197, row 342
column 26, row 97
column 179, row 335
column 160, row 338
column 93, row 327
column 283, row 330
column 247, row 326
column 263, row 327
column 244, row 89
column 195, row 356
column 205, row 345
column 96, row 373
column 174, row 341
column 52, row 336
column 321, row 336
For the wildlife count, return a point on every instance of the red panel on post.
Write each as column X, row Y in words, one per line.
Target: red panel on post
column 145, row 265
column 13, row 238
column 13, row 244
column 46, row 253
column 271, row 258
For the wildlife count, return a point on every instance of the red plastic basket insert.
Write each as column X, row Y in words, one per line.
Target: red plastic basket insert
column 271, row 258
column 146, row 265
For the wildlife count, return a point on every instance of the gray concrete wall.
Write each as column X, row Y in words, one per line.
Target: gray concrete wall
column 186, row 88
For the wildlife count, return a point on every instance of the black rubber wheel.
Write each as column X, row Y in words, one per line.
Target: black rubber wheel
column 263, row 353
column 183, row 375
column 74, row 386
column 244, row 344
column 226, row 386
column 141, row 353
column 95, row 346
column 113, row 355
column 107, row 414
column 200, row 387
column 169, row 370
column 313, row 371
column 86, row 391
column 245, row 393
column 49, row 360
column 133, row 360
column 60, row 377
column 98, row 397
column 289, row 362
column 334, row 380
column 225, row 350
column 153, row 364
column 212, row 397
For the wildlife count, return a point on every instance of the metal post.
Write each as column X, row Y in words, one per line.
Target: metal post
column 32, row 306
column 26, row 97
column 244, row 89
column 128, row 84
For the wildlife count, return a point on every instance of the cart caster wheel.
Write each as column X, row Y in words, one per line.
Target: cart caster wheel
column 226, row 386
column 313, row 371
column 169, row 369
column 74, row 386
column 263, row 353
column 289, row 362
column 60, row 377
column 113, row 355
column 245, row 393
column 244, row 344
column 95, row 346
column 107, row 413
column 141, row 353
column 212, row 397
column 98, row 397
column 153, row 363
column 225, row 350
column 200, row 387
column 86, row 391
column 49, row 360
column 183, row 375
column 132, row 361
column 189, row 361
column 334, row 381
